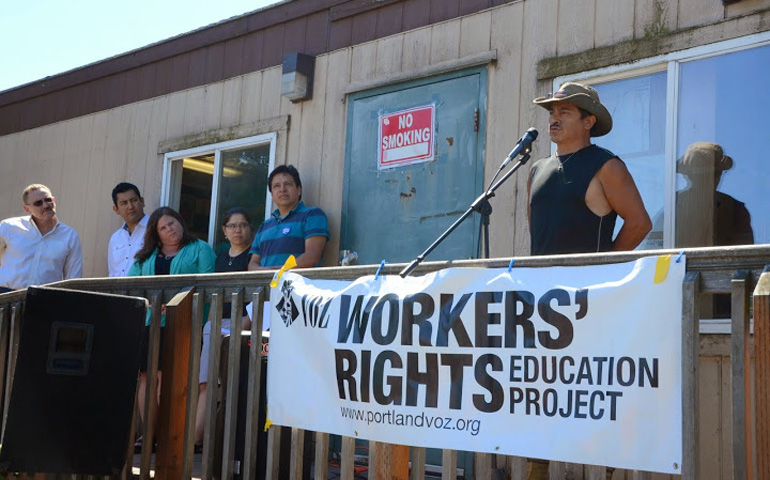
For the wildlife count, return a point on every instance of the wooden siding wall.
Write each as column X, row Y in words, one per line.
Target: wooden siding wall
column 83, row 158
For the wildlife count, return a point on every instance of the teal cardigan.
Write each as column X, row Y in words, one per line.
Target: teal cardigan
column 195, row 257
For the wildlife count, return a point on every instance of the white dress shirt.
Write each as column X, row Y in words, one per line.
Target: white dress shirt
column 123, row 247
column 29, row 258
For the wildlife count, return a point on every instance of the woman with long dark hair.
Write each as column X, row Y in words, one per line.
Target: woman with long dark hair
column 169, row 249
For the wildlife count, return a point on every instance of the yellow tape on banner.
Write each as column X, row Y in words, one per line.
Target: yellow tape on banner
column 268, row 422
column 661, row 268
column 291, row 262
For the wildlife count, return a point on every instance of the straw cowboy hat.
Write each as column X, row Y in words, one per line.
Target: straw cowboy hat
column 585, row 97
column 703, row 157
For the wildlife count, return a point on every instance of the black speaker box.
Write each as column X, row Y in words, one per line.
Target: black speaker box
column 72, row 399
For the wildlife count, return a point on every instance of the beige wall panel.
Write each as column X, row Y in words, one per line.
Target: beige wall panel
column 194, row 112
column 251, row 93
column 710, row 423
column 614, row 21
column 540, row 23
column 363, row 62
column 503, row 125
column 333, row 153
column 576, row 26
column 746, row 6
column 84, row 197
column 699, row 12
column 175, row 119
column 311, row 133
column 10, row 156
column 34, row 165
column 73, row 188
column 231, row 103
column 389, row 54
column 294, row 111
column 77, row 147
column 138, row 159
column 475, row 33
column 154, row 171
column 654, row 17
column 212, row 105
column 269, row 102
column 51, row 157
column 416, row 49
column 99, row 206
column 445, row 42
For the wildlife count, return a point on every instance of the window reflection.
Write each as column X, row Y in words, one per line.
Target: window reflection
column 195, row 194
column 721, row 176
column 638, row 108
column 245, row 187
column 704, row 215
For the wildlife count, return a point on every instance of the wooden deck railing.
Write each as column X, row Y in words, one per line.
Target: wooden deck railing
column 734, row 270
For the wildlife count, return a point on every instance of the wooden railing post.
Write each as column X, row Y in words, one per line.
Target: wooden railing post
column 151, row 387
column 690, row 360
column 231, row 405
column 740, row 360
column 391, row 462
column 762, row 366
column 174, row 386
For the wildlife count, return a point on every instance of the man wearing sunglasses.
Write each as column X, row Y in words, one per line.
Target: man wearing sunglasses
column 38, row 248
column 576, row 194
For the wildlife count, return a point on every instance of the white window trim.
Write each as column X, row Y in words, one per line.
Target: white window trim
column 669, row 62
column 216, row 148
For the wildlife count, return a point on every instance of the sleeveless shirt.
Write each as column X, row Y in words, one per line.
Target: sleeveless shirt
column 561, row 222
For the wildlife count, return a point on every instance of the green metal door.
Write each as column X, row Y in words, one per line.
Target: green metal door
column 392, row 210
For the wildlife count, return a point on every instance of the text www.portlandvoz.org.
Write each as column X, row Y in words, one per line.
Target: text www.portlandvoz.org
column 391, row 417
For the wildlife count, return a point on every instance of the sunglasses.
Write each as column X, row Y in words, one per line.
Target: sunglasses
column 39, row 203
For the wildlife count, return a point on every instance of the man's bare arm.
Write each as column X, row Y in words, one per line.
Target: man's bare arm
column 623, row 197
column 314, row 249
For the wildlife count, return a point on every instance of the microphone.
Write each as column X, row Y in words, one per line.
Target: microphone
column 524, row 144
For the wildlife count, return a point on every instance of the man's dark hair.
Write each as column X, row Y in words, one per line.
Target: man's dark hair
column 287, row 169
column 123, row 187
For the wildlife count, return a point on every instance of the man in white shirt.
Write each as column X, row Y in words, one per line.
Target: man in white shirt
column 38, row 249
column 128, row 239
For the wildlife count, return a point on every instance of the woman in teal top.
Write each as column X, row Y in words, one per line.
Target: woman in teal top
column 169, row 249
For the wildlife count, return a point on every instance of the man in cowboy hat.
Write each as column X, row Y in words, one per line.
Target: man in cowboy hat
column 576, row 195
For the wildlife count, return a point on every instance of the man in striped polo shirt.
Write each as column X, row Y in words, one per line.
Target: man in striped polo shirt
column 292, row 229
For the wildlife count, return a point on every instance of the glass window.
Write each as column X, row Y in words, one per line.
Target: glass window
column 203, row 183
column 696, row 158
column 721, row 177
column 638, row 108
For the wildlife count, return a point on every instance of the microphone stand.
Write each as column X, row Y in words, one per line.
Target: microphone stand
column 481, row 204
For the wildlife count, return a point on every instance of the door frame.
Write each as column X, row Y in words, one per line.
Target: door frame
column 481, row 136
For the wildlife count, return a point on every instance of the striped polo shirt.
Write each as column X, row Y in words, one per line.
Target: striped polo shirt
column 277, row 237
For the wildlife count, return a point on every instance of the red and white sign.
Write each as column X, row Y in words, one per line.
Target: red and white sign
column 406, row 137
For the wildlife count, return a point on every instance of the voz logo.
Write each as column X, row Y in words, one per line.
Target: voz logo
column 315, row 311
column 287, row 309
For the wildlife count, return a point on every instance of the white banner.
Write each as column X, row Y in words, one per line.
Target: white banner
column 574, row 364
